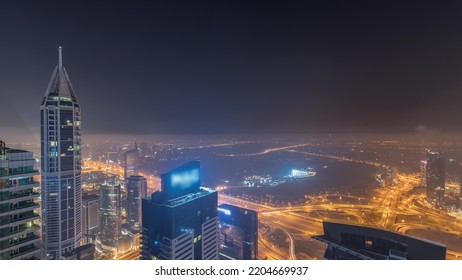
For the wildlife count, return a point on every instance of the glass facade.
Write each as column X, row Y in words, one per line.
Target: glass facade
column 90, row 205
column 19, row 232
column 61, row 167
column 136, row 191
column 435, row 177
column 109, row 211
column 131, row 162
column 180, row 228
column 238, row 233
column 165, row 222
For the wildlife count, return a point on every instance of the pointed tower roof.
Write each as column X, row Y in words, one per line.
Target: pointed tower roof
column 60, row 90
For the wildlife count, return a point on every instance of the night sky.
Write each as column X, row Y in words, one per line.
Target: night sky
column 229, row 66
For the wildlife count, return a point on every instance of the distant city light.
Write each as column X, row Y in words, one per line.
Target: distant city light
column 298, row 174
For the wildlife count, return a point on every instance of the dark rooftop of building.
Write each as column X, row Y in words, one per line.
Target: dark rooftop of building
column 160, row 198
column 87, row 196
column 79, row 249
column 362, row 242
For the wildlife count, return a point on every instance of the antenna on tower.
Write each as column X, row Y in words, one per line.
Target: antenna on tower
column 60, row 57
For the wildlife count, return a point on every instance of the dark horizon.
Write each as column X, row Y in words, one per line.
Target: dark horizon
column 237, row 67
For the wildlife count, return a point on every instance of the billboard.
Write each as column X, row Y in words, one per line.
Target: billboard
column 182, row 180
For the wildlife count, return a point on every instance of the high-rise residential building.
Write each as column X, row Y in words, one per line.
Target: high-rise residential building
column 61, row 166
column 131, row 162
column 435, row 177
column 237, row 233
column 180, row 222
column 109, row 213
column 136, row 191
column 90, row 205
column 19, row 234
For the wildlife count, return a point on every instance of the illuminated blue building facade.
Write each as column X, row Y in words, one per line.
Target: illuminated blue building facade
column 180, row 222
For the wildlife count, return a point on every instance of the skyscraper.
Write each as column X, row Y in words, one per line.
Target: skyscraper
column 136, row 191
column 61, row 166
column 423, row 172
column 109, row 211
column 435, row 177
column 90, row 207
column 238, row 233
column 19, row 235
column 180, row 222
column 131, row 162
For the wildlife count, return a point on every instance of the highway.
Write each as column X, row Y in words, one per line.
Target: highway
column 291, row 246
column 394, row 208
column 380, row 211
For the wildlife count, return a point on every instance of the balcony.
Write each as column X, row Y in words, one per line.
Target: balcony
column 21, row 197
column 21, row 243
column 21, row 174
column 26, row 254
column 27, row 230
column 6, row 188
column 23, row 208
column 20, row 221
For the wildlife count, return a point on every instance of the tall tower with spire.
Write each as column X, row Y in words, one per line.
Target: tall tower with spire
column 61, row 166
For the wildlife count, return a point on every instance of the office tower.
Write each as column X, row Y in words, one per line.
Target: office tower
column 131, row 162
column 180, row 222
column 90, row 204
column 352, row 242
column 435, row 177
column 238, row 233
column 61, row 166
column 109, row 213
column 136, row 191
column 423, row 172
column 19, row 235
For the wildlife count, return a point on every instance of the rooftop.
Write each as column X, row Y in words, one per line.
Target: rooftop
column 157, row 196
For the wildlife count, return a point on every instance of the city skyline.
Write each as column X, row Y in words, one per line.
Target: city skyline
column 236, row 131
column 290, row 67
